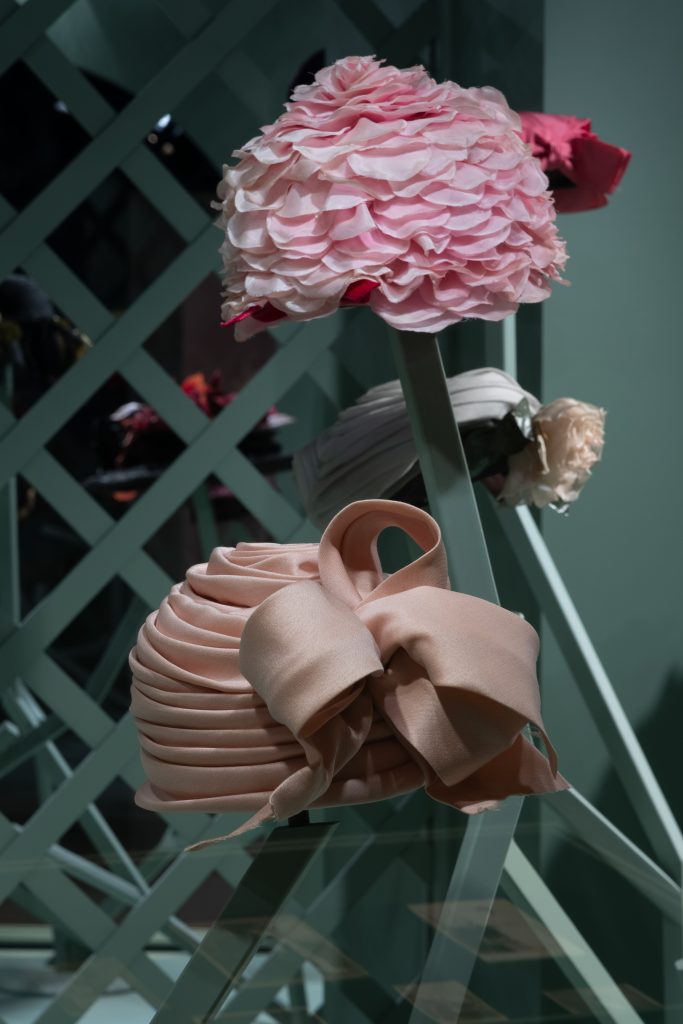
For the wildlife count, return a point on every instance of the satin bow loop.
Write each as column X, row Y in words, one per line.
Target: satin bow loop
column 452, row 677
column 281, row 677
column 317, row 688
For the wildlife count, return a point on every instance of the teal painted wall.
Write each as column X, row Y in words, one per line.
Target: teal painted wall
column 615, row 338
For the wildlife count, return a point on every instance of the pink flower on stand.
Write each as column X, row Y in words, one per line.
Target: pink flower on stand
column 382, row 186
column 586, row 168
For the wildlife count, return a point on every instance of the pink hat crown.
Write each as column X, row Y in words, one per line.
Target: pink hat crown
column 381, row 185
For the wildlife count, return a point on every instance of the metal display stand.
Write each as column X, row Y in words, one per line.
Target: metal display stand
column 220, row 960
column 482, row 858
column 488, row 852
column 198, row 73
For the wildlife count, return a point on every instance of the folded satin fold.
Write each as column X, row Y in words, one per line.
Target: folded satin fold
column 369, row 452
column 279, row 677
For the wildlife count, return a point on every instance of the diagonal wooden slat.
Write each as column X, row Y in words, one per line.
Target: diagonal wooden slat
column 26, row 712
column 414, row 34
column 178, row 882
column 366, row 17
column 69, row 293
column 188, row 18
column 352, row 874
column 115, row 142
column 528, row 549
column 592, row 830
column 398, row 45
column 48, row 687
column 93, row 726
column 172, row 404
column 25, row 25
column 24, row 852
column 204, row 79
column 579, row 963
column 98, row 566
column 72, row 908
column 90, row 520
column 87, row 922
column 161, row 189
column 217, row 966
column 124, row 336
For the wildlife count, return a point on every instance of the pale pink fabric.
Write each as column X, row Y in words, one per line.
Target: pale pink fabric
column 379, row 184
column 361, row 686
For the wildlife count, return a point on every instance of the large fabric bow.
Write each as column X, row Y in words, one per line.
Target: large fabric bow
column 452, row 676
column 359, row 686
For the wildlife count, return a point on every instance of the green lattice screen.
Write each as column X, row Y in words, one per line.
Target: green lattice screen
column 221, row 69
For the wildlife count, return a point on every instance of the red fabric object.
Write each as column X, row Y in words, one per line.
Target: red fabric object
column 588, row 168
column 357, row 294
column 267, row 314
column 141, row 421
column 240, row 316
column 200, row 390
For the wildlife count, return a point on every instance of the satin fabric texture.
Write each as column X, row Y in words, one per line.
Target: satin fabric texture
column 369, row 452
column 281, row 677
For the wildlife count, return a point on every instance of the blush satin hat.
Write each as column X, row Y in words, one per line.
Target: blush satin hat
column 279, row 677
column 369, row 451
column 527, row 453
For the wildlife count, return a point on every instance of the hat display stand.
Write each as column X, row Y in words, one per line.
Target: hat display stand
column 239, row 57
column 488, row 853
column 488, row 856
column 523, row 546
column 218, row 963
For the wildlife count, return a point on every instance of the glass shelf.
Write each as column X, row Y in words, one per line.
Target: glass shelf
column 568, row 936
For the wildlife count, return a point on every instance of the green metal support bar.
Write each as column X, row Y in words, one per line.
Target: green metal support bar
column 590, row 827
column 219, row 962
column 479, row 864
column 442, row 463
column 579, row 963
column 354, row 877
column 529, row 549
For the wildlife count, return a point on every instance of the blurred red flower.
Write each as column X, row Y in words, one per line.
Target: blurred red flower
column 146, row 438
column 582, row 169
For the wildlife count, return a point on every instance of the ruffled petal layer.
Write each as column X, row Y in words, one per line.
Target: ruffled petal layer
column 379, row 175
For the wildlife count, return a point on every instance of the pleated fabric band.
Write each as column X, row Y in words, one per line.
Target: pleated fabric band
column 281, row 677
column 369, row 452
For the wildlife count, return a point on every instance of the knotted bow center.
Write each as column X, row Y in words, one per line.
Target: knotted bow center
column 450, row 676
